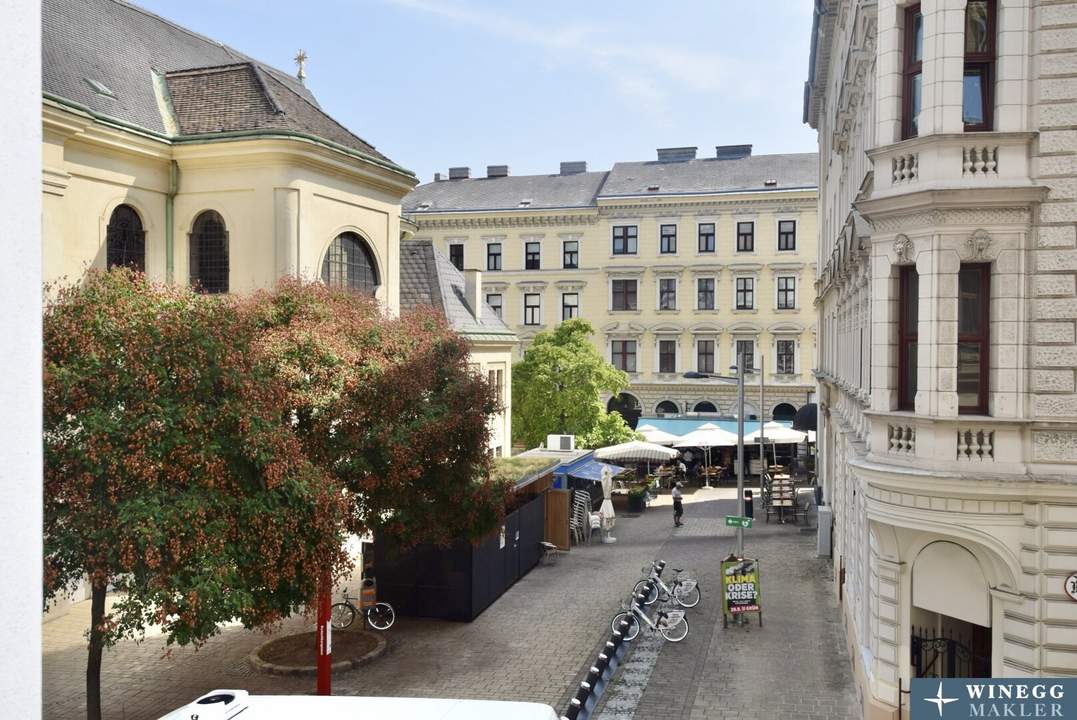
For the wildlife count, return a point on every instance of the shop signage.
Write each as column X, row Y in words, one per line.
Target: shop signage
column 741, row 592
column 1071, row 586
column 960, row 698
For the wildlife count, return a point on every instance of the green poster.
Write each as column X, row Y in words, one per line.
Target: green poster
column 741, row 591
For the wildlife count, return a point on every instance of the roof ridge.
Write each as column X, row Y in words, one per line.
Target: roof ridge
column 227, row 48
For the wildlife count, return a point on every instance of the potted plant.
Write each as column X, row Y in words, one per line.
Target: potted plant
column 637, row 499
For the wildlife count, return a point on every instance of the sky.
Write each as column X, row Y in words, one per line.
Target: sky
column 440, row 83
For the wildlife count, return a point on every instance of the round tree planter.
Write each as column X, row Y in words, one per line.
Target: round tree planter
column 350, row 650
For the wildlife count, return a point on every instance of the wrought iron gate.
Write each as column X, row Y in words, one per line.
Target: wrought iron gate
column 938, row 656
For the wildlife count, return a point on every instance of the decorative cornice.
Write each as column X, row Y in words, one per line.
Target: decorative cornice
column 482, row 222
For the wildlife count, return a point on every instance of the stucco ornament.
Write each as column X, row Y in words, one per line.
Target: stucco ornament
column 978, row 243
column 903, row 248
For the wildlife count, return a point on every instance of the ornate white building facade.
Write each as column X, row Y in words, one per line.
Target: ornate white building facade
column 947, row 307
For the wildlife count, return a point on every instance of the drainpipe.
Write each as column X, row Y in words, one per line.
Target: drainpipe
column 170, row 230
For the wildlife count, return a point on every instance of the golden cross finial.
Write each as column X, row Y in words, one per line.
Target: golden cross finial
column 301, row 61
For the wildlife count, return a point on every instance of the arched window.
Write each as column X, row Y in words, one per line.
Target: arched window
column 350, row 264
column 667, row 407
column 125, row 240
column 783, row 412
column 705, row 407
column 628, row 406
column 209, row 253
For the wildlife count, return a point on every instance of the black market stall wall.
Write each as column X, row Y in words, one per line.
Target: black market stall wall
column 458, row 582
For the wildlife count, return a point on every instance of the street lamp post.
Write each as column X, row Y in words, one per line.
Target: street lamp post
column 739, row 380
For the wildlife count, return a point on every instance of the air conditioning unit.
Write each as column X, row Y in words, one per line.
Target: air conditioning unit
column 560, row 442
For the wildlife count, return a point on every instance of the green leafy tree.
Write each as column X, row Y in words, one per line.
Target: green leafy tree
column 170, row 473
column 610, row 429
column 557, row 387
column 390, row 407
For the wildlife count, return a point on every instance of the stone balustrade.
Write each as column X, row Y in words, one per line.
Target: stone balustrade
column 953, row 161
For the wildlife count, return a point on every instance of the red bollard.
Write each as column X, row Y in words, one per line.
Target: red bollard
column 325, row 640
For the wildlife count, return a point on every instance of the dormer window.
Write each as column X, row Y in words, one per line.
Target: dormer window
column 525, row 203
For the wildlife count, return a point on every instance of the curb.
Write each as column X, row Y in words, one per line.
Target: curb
column 310, row 670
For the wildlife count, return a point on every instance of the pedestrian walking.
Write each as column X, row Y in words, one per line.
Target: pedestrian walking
column 678, row 504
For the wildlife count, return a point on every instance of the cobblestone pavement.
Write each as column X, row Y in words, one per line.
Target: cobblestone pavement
column 794, row 666
column 536, row 641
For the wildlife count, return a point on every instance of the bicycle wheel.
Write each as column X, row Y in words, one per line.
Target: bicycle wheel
column 381, row 616
column 676, row 633
column 633, row 625
column 341, row 615
column 687, row 598
column 641, row 587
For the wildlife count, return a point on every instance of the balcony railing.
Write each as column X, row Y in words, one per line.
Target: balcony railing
column 953, row 161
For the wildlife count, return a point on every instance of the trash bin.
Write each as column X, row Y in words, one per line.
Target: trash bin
column 749, row 505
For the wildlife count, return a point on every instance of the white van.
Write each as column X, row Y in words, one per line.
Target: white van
column 228, row 704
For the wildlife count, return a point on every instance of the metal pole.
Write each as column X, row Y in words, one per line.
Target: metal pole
column 762, row 421
column 740, row 452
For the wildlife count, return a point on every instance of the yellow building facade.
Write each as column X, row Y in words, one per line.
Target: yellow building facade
column 676, row 263
column 194, row 163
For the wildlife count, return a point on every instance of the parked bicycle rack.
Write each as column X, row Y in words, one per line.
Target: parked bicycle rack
column 590, row 691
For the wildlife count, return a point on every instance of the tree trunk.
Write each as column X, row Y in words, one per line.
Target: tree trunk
column 97, row 646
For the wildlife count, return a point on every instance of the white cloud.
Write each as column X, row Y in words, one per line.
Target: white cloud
column 638, row 71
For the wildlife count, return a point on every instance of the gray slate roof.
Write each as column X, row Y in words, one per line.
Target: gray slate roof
column 123, row 46
column 706, row 175
column 427, row 277
column 709, row 175
column 506, row 193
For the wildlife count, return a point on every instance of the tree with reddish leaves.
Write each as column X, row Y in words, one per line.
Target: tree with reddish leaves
column 390, row 407
column 170, row 472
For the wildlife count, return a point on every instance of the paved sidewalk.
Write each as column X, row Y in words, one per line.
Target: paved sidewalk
column 795, row 666
column 528, row 646
column 537, row 640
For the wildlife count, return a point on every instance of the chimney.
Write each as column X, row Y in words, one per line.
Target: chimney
column 473, row 292
column 459, row 173
column 437, row 177
column 496, row 171
column 677, row 154
column 574, row 167
column 732, row 152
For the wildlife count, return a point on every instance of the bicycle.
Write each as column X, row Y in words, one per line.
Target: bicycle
column 671, row 623
column 684, row 591
column 379, row 616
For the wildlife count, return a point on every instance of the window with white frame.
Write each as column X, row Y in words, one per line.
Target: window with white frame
column 705, row 293
column 623, row 294
column 570, row 305
column 625, row 239
column 787, row 293
column 495, row 302
column 745, row 293
column 667, row 293
column 667, row 356
column 705, row 356
column 745, row 348
column 785, row 356
column 623, row 354
column 532, row 309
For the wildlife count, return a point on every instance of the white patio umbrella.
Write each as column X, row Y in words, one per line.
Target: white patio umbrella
column 777, row 434
column 606, row 510
column 636, row 451
column 707, row 436
column 656, row 436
